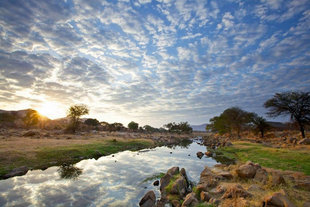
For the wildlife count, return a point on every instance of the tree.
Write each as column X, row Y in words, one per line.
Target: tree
column 295, row 104
column 133, row 125
column 74, row 113
column 260, row 124
column 232, row 119
column 178, row 128
column 31, row 118
column 92, row 122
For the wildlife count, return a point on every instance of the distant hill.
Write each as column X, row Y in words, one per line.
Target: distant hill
column 199, row 128
column 17, row 118
column 277, row 125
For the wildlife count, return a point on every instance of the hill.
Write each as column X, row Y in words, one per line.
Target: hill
column 199, row 128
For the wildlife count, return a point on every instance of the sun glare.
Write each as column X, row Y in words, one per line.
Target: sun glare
column 51, row 110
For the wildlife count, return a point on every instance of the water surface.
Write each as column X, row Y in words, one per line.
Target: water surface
column 114, row 180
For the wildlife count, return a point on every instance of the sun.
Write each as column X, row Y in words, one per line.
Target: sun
column 52, row 110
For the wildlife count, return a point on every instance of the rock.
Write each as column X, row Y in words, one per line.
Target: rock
column 255, row 188
column 306, row 204
column 205, row 196
column 179, row 187
column 190, row 200
column 236, row 191
column 277, row 200
column 225, row 174
column 30, row 134
column 305, row 141
column 199, row 155
column 16, row 172
column 261, row 176
column 173, row 171
column 292, row 140
column 247, row 170
column 214, row 201
column 164, row 181
column 148, row 200
column 277, row 179
column 208, row 153
column 175, row 203
column 220, row 189
column 303, row 184
column 208, row 178
column 156, row 183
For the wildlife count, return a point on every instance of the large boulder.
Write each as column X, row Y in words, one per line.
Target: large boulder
column 208, row 179
column 277, row 179
column 261, row 176
column 190, row 200
column 179, row 187
column 305, row 141
column 165, row 180
column 148, row 200
column 247, row 170
column 278, row 199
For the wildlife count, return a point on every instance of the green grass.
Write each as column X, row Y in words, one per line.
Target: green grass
column 172, row 180
column 284, row 158
column 154, row 177
column 50, row 156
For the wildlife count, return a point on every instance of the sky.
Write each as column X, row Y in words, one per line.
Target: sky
column 151, row 61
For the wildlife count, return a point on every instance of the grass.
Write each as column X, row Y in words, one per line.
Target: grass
column 154, row 177
column 277, row 158
column 49, row 156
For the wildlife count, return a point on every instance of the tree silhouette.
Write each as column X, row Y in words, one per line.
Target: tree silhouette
column 260, row 124
column 295, row 104
column 74, row 113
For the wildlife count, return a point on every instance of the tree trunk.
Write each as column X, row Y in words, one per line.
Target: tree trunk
column 262, row 133
column 301, row 128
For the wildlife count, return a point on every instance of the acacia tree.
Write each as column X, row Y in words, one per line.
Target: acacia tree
column 260, row 124
column 74, row 113
column 295, row 104
column 31, row 118
column 231, row 120
column 133, row 126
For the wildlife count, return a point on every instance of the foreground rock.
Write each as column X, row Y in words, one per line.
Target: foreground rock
column 278, row 199
column 190, row 200
column 247, row 170
column 305, row 141
column 16, row 172
column 148, row 200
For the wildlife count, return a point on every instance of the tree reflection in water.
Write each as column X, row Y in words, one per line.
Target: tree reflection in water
column 69, row 172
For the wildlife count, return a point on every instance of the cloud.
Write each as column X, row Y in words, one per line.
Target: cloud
column 153, row 60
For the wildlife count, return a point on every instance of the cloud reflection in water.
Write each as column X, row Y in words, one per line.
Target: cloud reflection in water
column 103, row 182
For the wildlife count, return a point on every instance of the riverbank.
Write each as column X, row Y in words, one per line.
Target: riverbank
column 23, row 150
column 29, row 153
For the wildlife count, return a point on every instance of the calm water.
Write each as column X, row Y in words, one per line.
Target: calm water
column 109, row 181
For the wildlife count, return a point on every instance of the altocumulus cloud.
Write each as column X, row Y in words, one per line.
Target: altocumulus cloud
column 153, row 61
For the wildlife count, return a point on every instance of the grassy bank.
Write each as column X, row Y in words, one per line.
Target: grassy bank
column 295, row 159
column 46, row 156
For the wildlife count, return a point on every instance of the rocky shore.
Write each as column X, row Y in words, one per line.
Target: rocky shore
column 236, row 185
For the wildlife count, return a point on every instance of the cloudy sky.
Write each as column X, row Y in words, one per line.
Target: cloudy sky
column 151, row 61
